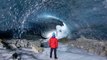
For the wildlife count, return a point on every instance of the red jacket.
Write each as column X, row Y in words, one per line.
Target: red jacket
column 53, row 42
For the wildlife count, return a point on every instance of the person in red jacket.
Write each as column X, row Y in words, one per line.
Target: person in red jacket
column 53, row 44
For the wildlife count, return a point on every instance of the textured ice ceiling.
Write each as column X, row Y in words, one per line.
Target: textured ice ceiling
column 83, row 17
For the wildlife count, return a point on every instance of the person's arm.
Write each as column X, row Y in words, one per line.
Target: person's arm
column 49, row 42
column 56, row 42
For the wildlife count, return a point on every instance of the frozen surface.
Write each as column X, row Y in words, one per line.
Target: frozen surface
column 82, row 17
column 75, row 54
column 64, row 53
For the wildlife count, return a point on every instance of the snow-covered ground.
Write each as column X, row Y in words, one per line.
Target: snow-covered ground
column 64, row 53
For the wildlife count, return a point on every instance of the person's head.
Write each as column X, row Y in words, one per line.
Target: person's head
column 53, row 34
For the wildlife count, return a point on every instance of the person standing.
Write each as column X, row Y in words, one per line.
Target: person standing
column 53, row 44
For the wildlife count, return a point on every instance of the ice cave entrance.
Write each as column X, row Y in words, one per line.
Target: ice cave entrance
column 60, row 31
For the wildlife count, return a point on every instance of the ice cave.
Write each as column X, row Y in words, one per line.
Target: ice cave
column 80, row 26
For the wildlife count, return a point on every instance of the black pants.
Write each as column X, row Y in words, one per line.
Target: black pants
column 55, row 52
